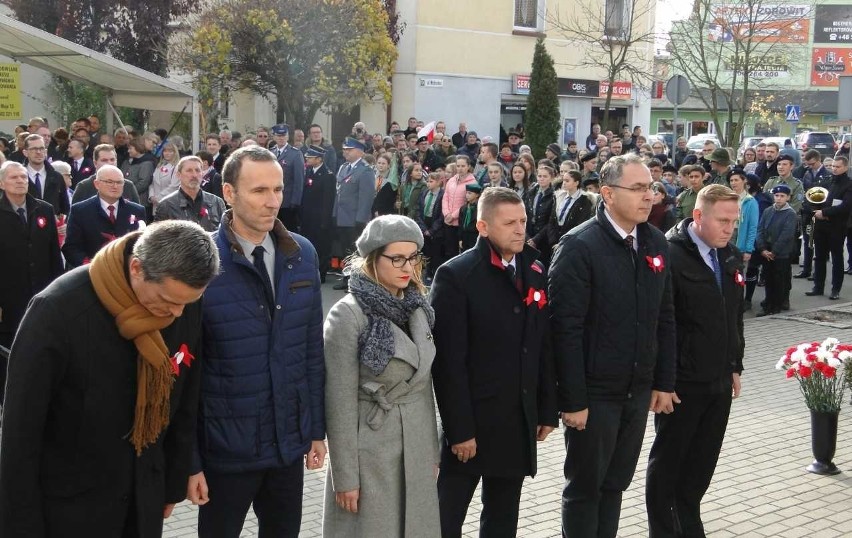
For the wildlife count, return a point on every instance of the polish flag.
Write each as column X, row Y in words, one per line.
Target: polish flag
column 428, row 131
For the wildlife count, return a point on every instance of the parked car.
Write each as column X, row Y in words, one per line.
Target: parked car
column 780, row 140
column 696, row 142
column 748, row 142
column 821, row 141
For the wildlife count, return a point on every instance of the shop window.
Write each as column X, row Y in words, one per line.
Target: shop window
column 618, row 17
column 529, row 15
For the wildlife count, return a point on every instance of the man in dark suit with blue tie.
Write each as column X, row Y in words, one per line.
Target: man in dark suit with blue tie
column 356, row 189
column 317, row 204
column 293, row 163
column 100, row 219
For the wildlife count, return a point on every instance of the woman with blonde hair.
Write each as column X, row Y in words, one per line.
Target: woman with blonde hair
column 165, row 180
column 380, row 411
column 387, row 185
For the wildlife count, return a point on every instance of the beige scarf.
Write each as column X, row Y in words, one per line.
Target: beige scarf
column 154, row 375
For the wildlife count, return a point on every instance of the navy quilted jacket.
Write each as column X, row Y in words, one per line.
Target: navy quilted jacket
column 263, row 382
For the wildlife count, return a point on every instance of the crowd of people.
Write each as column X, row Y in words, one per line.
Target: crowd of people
column 190, row 358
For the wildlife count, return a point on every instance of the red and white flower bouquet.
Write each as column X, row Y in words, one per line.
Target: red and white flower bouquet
column 821, row 369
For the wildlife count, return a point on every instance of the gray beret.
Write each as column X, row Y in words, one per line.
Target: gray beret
column 388, row 229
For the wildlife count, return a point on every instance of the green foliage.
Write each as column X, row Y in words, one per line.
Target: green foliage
column 77, row 99
column 542, row 118
column 302, row 54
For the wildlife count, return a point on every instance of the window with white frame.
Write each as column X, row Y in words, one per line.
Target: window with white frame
column 529, row 15
column 618, row 17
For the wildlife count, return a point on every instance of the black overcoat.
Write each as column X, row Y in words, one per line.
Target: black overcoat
column 67, row 467
column 31, row 260
column 493, row 370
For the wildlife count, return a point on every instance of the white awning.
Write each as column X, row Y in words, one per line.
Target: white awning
column 125, row 84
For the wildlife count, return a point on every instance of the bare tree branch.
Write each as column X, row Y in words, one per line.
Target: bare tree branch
column 616, row 37
column 734, row 50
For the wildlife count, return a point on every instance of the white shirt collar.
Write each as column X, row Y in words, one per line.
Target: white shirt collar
column 510, row 262
column 620, row 231
column 32, row 171
column 703, row 248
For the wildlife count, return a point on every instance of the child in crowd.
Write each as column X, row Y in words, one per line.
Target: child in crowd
column 467, row 219
column 431, row 221
column 495, row 176
column 776, row 242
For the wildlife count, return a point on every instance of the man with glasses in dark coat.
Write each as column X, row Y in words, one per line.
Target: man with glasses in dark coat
column 613, row 338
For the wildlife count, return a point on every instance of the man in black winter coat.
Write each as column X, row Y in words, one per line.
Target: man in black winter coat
column 708, row 283
column 494, row 388
column 830, row 225
column 84, row 452
column 613, row 337
column 29, row 248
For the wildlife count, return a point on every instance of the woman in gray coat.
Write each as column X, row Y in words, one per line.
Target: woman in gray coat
column 380, row 412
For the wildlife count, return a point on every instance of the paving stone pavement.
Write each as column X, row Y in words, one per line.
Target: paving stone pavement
column 760, row 488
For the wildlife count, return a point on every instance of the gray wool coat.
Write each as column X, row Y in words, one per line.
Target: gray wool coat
column 382, row 431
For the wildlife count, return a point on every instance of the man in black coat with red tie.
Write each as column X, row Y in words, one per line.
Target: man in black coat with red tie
column 318, row 194
column 29, row 248
column 100, row 219
column 613, row 339
column 493, row 371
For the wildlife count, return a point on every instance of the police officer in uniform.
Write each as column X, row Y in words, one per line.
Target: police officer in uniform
column 293, row 163
column 356, row 188
column 317, row 205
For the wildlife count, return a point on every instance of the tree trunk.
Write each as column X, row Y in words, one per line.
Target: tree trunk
column 605, row 122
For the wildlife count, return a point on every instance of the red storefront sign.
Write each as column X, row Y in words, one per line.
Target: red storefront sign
column 620, row 90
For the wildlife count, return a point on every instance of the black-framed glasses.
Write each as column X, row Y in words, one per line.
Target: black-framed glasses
column 638, row 189
column 400, row 261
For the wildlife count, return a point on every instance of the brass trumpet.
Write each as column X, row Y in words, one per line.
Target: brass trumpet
column 816, row 196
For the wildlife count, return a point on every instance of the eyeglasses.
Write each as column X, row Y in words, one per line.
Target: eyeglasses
column 37, row 150
column 110, row 183
column 400, row 261
column 638, row 189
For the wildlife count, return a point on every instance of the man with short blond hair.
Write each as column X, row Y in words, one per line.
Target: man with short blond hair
column 707, row 286
column 495, row 389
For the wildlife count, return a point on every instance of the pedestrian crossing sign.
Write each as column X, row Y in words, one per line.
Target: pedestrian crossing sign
column 794, row 112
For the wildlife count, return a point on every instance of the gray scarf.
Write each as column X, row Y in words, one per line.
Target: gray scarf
column 375, row 343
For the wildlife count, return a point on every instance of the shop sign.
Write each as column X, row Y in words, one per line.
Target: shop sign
column 833, row 24
column 521, row 84
column 828, row 64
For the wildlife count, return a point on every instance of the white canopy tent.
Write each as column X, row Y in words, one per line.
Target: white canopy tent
column 125, row 84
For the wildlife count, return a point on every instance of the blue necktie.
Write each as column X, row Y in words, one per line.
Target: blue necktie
column 565, row 209
column 22, row 214
column 716, row 269
column 37, row 182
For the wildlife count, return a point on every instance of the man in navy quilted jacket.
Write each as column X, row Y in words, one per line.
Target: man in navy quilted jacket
column 261, row 417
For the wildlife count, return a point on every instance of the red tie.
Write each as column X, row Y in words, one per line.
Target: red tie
column 111, row 213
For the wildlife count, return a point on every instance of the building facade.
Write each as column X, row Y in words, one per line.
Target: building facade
column 805, row 48
column 470, row 62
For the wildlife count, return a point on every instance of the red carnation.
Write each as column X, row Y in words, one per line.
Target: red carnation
column 791, row 373
column 805, row 372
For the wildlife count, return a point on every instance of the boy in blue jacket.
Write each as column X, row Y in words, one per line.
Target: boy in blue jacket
column 776, row 243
